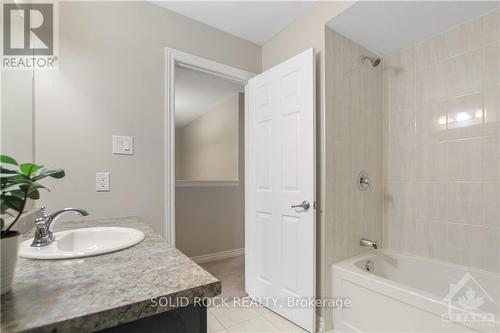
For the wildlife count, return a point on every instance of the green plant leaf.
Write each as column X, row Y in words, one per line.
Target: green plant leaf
column 9, row 181
column 13, row 202
column 14, row 193
column 4, row 209
column 16, row 186
column 7, row 160
column 34, row 194
column 54, row 173
column 6, row 176
column 34, row 187
column 29, row 169
column 5, row 170
column 10, row 188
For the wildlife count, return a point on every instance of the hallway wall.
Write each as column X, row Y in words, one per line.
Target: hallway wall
column 211, row 219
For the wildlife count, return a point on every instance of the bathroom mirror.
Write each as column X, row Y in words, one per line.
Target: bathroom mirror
column 17, row 114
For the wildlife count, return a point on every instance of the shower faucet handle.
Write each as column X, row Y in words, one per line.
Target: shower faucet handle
column 364, row 181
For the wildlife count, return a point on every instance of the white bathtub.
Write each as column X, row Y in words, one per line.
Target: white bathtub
column 403, row 293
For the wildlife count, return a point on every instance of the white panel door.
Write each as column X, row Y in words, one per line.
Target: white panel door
column 280, row 172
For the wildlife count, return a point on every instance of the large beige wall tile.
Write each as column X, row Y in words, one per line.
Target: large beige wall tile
column 464, row 73
column 465, row 116
column 466, row 37
column 492, row 64
column 456, row 154
column 492, row 111
column 492, row 26
column 430, row 50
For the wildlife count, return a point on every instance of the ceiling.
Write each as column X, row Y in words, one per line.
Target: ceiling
column 385, row 27
column 256, row 21
column 197, row 92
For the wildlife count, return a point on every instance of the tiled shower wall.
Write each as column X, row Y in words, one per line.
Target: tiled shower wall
column 354, row 144
column 442, row 169
column 353, row 96
column 353, row 121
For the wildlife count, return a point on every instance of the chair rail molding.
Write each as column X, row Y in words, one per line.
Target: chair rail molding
column 174, row 58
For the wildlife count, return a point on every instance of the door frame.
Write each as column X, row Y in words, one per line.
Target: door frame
column 175, row 58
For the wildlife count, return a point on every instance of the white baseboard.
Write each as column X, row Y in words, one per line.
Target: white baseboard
column 207, row 183
column 218, row 256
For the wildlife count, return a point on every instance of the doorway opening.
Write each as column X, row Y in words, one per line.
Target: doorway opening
column 205, row 165
column 209, row 164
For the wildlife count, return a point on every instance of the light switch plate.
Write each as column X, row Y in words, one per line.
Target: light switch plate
column 102, row 182
column 123, row 145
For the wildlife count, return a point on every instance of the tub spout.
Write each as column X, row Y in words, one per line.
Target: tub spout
column 368, row 243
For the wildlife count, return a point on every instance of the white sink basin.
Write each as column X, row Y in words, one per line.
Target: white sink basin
column 85, row 242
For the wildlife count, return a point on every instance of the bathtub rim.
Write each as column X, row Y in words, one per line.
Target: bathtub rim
column 370, row 253
column 422, row 299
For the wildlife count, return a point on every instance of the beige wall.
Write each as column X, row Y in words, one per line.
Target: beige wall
column 212, row 219
column 207, row 148
column 111, row 81
column 305, row 32
column 209, row 219
column 17, row 114
column 442, row 174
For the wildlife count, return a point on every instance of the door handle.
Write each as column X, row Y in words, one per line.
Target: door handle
column 304, row 204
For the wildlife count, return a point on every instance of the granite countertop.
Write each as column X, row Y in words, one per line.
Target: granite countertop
column 89, row 294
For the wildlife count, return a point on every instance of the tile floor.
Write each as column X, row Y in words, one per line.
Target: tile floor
column 256, row 319
column 234, row 318
column 231, row 273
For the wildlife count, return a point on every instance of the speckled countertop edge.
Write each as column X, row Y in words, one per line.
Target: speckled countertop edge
column 89, row 294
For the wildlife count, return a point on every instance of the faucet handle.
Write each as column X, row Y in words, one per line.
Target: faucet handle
column 369, row 243
column 41, row 216
column 364, row 181
column 43, row 234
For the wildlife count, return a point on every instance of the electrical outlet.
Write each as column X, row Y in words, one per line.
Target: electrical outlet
column 102, row 181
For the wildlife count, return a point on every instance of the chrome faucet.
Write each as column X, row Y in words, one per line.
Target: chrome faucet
column 368, row 243
column 43, row 235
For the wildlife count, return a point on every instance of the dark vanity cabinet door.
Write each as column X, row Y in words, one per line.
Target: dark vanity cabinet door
column 189, row 319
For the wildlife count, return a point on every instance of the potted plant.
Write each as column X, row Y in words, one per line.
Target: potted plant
column 18, row 183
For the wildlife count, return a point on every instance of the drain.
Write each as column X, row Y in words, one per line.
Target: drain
column 368, row 265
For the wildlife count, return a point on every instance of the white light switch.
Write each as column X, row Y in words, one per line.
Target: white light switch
column 102, row 181
column 123, row 145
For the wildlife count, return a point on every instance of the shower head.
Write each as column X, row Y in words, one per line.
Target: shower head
column 374, row 61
